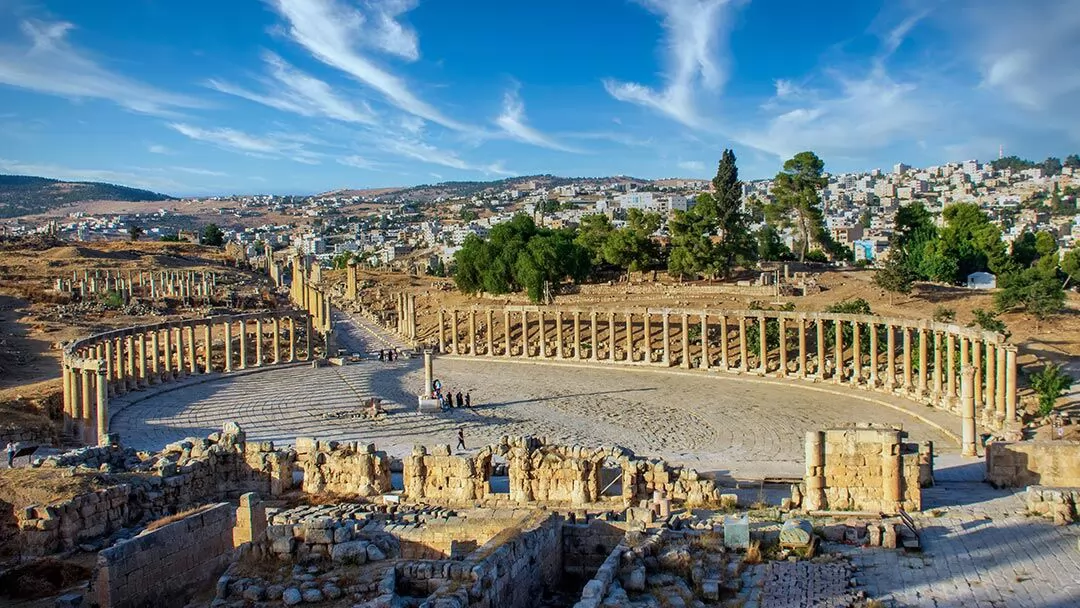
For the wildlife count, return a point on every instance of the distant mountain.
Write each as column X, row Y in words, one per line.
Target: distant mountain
column 428, row 192
column 26, row 195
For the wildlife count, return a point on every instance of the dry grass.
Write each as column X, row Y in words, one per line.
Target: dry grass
column 753, row 553
column 175, row 517
column 23, row 487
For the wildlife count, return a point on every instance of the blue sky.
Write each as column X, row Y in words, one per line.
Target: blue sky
column 301, row 96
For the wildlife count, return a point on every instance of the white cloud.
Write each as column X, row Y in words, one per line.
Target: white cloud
column 427, row 153
column 333, row 31
column 158, row 149
column 198, row 171
column 299, row 93
column 51, row 65
column 279, row 145
column 692, row 165
column 358, row 162
column 693, row 30
column 513, row 122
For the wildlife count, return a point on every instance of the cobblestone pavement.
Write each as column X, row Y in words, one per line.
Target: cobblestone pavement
column 744, row 427
column 800, row 584
column 980, row 549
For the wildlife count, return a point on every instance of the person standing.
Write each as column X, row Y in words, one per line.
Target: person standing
column 461, row 438
column 468, row 399
column 460, row 400
column 10, row 455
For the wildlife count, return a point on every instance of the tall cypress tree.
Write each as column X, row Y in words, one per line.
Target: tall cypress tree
column 730, row 219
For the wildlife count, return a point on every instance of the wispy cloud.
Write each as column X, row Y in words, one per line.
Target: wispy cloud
column 423, row 152
column 334, row 33
column 53, row 66
column 513, row 122
column 693, row 30
column 692, row 165
column 269, row 146
column 158, row 149
column 198, row 171
column 358, row 162
column 300, row 93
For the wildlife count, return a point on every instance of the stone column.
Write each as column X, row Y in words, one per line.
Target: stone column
column 490, row 333
column 429, row 376
column 705, row 363
column 442, row 332
column 665, row 337
column 89, row 396
column 802, row 347
column 976, row 364
column 208, row 337
column 577, row 334
column 725, row 361
column 938, row 378
column 838, row 351
column 991, row 378
column 190, row 347
column 967, row 399
column 874, row 362
column 226, row 328
column 744, row 359
column 923, row 370
column 907, row 359
column 629, row 337
column 524, row 333
column 453, row 332
column 243, row 344
column 276, row 323
column 891, row 474
column 856, row 354
column 611, row 336
column 815, row 472
column 890, row 357
column 593, row 354
column 999, row 397
column 820, row 348
column 559, row 349
column 102, row 407
column 259, row 342
column 307, row 339
column 155, row 358
column 965, row 352
column 542, row 333
column 143, row 380
column 685, row 341
column 782, row 331
column 648, row 336
column 65, row 378
column 129, row 346
column 472, row 331
column 506, row 332
column 763, row 346
column 117, row 370
column 950, row 368
column 1010, row 384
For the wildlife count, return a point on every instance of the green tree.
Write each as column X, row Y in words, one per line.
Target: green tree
column 213, row 236
column 1070, row 266
column 1023, row 250
column 1072, row 161
column 796, row 199
column 1051, row 167
column 988, row 320
column 135, row 232
column 1014, row 163
column 632, row 247
column 593, row 232
column 769, row 245
column 894, row 276
column 968, row 243
column 692, row 249
column 170, row 238
column 1049, row 383
column 735, row 240
column 1036, row 290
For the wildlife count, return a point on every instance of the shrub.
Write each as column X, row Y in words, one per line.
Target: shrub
column 944, row 314
column 988, row 320
column 1049, row 383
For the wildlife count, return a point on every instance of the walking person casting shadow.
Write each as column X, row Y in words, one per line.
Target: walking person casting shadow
column 461, row 439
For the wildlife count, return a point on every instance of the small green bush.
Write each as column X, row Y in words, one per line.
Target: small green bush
column 1049, row 383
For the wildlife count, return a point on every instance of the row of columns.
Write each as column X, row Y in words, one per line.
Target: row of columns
column 405, row 315
column 149, row 284
column 922, row 362
column 115, row 363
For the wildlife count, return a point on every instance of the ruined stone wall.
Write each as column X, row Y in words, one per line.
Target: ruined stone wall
column 63, row 525
column 438, row 475
column 1060, row 504
column 348, row 469
column 585, row 546
column 1046, row 463
column 861, row 468
column 158, row 568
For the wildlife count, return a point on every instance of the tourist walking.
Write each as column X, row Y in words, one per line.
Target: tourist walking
column 468, row 399
column 460, row 400
column 461, row 439
column 10, row 455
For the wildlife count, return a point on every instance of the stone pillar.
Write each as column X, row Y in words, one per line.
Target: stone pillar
column 155, row 357
column 611, row 336
column 630, row 337
column 558, row 333
column 226, row 328
column 938, row 377
column 208, row 337
column 976, row 364
column 685, row 341
column 802, row 347
column 820, row 348
column 991, row 378
column 117, row 363
column 190, row 348
column 890, row 357
column 967, row 399
column 102, row 407
column 490, row 333
column 429, row 375
column 524, row 333
column 665, row 337
column 965, row 352
column 705, row 363
column 744, row 359
column 763, row 346
column 242, row 364
column 276, row 326
column 259, row 342
column 815, row 472
column 856, row 354
column 950, row 368
column 129, row 346
column 1010, row 384
column 725, row 361
column 999, row 397
column 308, row 354
column 442, row 332
column 65, row 378
column 506, row 333
column 907, row 358
column 542, row 333
column 472, row 331
column 89, row 397
column 593, row 355
column 838, row 351
column 453, row 332
column 923, row 370
column 648, row 336
column 577, row 334
column 892, row 490
column 872, row 328
column 782, row 331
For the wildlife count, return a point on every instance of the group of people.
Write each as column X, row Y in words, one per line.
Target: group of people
column 387, row 354
column 450, row 399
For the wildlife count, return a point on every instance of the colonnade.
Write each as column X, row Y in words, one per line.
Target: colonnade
column 921, row 360
column 153, row 285
column 306, row 293
column 115, row 362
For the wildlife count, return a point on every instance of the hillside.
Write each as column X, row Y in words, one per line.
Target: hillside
column 429, row 192
column 26, row 195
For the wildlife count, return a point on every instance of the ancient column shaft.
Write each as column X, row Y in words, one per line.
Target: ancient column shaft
column 967, row 400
